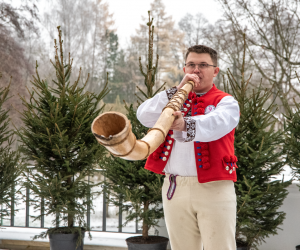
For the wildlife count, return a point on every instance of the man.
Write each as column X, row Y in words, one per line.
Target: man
column 198, row 158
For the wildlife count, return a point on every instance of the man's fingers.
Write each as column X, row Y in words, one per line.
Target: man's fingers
column 196, row 80
column 177, row 114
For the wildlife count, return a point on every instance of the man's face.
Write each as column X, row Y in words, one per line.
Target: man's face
column 206, row 75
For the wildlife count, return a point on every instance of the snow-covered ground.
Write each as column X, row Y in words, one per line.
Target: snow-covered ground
column 286, row 175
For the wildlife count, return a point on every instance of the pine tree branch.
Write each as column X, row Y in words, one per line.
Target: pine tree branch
column 139, row 98
column 159, row 89
column 141, row 67
column 142, row 92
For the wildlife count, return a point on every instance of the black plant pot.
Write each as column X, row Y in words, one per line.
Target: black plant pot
column 298, row 247
column 242, row 248
column 63, row 241
column 154, row 243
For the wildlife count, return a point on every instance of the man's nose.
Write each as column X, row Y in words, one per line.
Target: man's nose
column 197, row 69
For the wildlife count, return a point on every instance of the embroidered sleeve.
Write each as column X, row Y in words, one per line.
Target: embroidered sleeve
column 219, row 122
column 190, row 128
column 171, row 92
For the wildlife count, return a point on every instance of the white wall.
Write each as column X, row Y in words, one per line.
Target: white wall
column 289, row 237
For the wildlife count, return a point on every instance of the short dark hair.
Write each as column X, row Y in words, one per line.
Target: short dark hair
column 200, row 49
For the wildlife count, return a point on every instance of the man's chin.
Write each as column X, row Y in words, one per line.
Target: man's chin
column 202, row 89
column 199, row 90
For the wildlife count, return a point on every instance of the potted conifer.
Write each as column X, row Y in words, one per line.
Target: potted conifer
column 56, row 139
column 10, row 166
column 258, row 147
column 129, row 185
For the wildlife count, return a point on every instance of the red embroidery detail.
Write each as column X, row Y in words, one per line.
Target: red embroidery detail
column 206, row 165
column 200, row 111
column 229, row 163
column 159, row 150
column 199, row 99
column 205, row 153
column 226, row 158
column 204, row 156
column 200, row 105
column 192, row 95
column 155, row 155
column 205, row 159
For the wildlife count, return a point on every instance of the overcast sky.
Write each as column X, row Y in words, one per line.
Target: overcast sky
column 128, row 13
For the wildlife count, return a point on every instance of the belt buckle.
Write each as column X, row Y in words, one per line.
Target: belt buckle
column 172, row 187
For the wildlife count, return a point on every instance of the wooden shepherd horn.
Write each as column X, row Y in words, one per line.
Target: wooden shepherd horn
column 113, row 129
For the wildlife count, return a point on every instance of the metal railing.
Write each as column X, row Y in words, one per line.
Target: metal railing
column 88, row 214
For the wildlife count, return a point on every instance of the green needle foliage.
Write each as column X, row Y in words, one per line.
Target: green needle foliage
column 258, row 147
column 292, row 128
column 10, row 167
column 135, row 189
column 57, row 140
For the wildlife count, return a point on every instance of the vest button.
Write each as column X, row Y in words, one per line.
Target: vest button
column 227, row 168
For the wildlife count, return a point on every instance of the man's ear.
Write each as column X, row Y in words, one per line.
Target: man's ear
column 184, row 69
column 217, row 69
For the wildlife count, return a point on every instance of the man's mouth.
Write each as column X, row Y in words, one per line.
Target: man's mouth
column 200, row 77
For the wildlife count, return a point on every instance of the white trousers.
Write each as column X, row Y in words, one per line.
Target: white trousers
column 200, row 214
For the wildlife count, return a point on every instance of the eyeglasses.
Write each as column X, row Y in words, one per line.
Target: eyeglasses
column 200, row 65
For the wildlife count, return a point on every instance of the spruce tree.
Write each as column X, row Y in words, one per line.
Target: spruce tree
column 258, row 147
column 57, row 139
column 10, row 166
column 292, row 129
column 135, row 189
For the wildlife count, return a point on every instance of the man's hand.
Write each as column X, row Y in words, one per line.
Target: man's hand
column 189, row 77
column 179, row 123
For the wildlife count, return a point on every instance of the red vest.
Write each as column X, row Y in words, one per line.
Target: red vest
column 215, row 160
